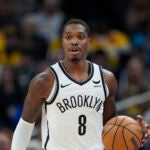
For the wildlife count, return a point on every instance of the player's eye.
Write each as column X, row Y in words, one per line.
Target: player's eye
column 80, row 37
column 68, row 37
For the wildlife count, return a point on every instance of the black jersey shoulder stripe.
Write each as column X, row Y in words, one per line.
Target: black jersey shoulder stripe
column 57, row 87
column 90, row 71
column 103, row 82
column 47, row 138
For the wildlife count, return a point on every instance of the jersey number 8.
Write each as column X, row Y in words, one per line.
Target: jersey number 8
column 82, row 125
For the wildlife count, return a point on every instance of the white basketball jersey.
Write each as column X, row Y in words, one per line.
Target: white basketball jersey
column 72, row 116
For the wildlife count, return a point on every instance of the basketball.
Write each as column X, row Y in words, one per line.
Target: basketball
column 122, row 133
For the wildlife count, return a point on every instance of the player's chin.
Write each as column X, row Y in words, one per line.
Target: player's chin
column 75, row 59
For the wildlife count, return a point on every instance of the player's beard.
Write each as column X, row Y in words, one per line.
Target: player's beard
column 75, row 60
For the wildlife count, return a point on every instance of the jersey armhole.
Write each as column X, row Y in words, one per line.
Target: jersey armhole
column 107, row 90
column 105, row 87
column 55, row 89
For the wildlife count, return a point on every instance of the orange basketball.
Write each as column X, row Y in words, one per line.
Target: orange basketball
column 122, row 133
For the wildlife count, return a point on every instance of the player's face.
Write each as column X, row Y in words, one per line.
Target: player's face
column 75, row 42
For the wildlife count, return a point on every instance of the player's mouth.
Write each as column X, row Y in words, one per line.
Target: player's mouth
column 74, row 50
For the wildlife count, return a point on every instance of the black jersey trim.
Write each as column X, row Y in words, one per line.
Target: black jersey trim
column 47, row 138
column 57, row 88
column 103, row 82
column 90, row 71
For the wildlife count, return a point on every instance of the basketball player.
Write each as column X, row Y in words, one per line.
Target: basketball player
column 77, row 98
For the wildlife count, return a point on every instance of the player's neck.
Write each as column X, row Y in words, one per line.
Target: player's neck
column 79, row 71
column 80, row 66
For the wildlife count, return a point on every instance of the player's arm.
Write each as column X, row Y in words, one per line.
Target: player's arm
column 109, row 104
column 39, row 89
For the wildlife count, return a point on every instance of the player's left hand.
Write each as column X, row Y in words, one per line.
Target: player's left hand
column 145, row 129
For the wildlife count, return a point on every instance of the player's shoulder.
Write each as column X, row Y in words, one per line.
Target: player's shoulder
column 43, row 79
column 108, row 74
column 110, row 80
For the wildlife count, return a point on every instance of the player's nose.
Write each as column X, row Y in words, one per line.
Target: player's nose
column 74, row 41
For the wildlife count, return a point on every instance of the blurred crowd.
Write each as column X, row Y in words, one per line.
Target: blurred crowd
column 30, row 41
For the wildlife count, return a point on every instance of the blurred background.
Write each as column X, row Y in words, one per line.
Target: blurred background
column 30, row 41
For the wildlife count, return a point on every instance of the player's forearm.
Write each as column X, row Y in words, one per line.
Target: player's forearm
column 22, row 135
